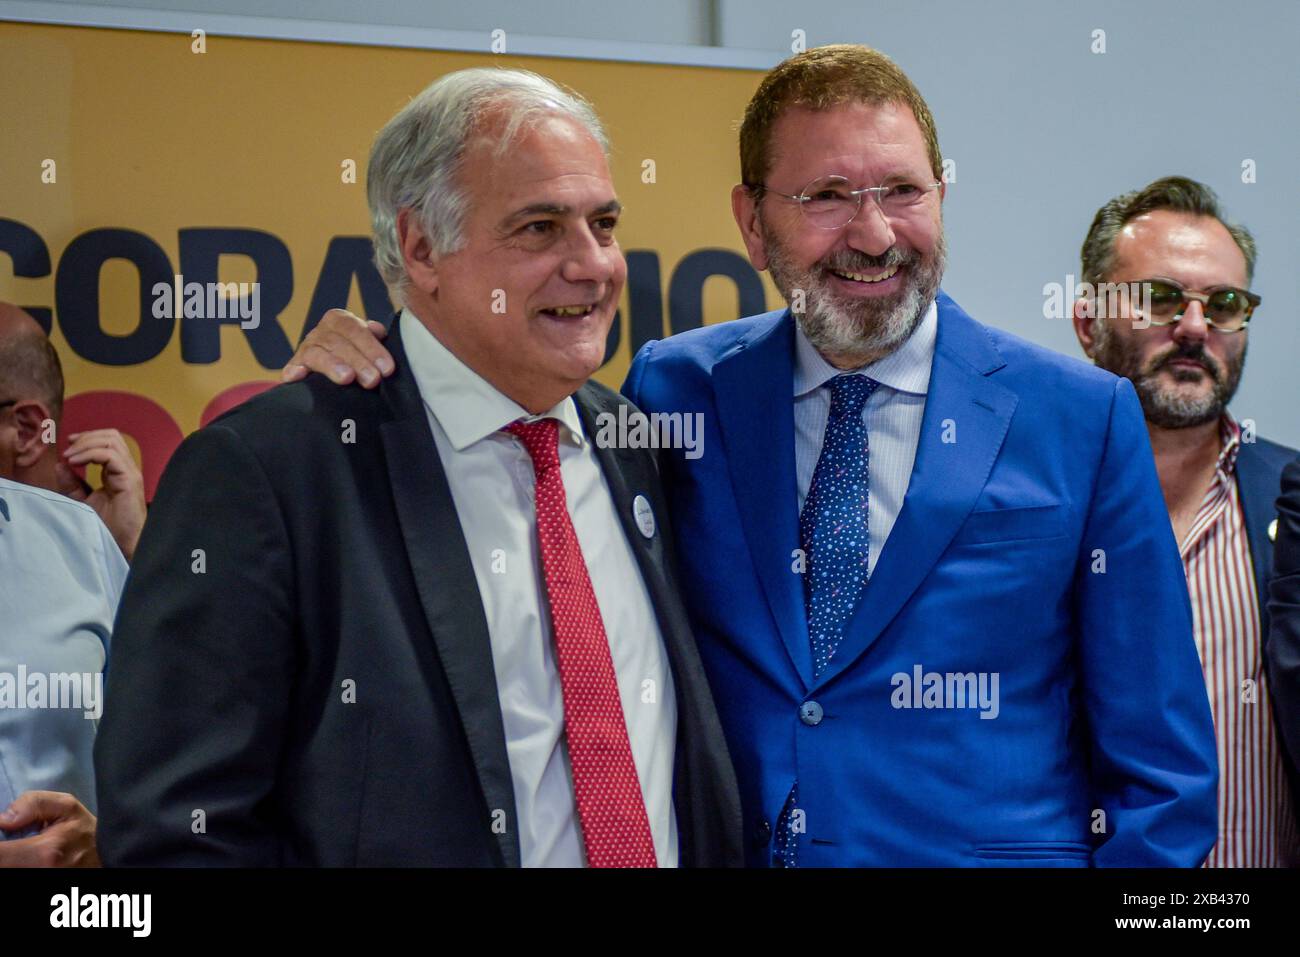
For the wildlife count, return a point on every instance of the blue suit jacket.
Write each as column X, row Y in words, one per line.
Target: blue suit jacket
column 1033, row 543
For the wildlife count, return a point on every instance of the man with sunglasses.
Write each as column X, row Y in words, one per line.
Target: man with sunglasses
column 1178, row 332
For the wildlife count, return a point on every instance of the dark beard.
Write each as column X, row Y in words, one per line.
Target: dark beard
column 1160, row 407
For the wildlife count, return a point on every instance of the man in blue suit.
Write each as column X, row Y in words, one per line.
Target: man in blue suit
column 931, row 579
column 978, row 650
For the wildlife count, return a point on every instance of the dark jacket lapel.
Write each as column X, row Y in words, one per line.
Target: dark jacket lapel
column 629, row 473
column 444, row 577
column 966, row 419
column 706, row 798
column 1258, row 484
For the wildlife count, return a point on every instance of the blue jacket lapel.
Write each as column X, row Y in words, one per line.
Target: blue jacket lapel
column 754, row 386
column 953, row 461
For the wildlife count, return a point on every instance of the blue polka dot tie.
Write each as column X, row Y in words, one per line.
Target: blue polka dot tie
column 833, row 533
column 833, row 525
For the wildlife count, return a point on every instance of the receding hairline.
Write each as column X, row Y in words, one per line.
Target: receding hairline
column 488, row 135
column 822, row 78
column 1162, row 212
column 774, row 151
column 498, row 125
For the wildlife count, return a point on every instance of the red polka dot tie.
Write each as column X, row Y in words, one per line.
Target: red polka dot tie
column 611, row 807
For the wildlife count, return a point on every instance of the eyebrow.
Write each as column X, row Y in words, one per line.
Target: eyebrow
column 908, row 176
column 1213, row 287
column 554, row 209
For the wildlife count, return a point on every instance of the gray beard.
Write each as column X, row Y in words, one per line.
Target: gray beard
column 865, row 329
column 1165, row 409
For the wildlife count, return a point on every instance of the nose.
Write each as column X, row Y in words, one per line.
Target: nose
column 589, row 260
column 1191, row 328
column 870, row 231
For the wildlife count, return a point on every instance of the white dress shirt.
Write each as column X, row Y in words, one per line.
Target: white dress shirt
column 492, row 484
column 892, row 415
column 61, row 575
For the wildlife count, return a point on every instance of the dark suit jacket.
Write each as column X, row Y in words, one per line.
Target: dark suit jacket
column 301, row 669
column 1259, row 475
column 1282, row 649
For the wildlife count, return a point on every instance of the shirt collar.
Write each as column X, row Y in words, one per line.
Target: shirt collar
column 467, row 406
column 906, row 369
column 1230, row 435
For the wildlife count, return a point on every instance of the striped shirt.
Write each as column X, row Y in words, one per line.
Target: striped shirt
column 1256, row 823
column 892, row 415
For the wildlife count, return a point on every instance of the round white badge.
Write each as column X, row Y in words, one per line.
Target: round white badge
column 644, row 515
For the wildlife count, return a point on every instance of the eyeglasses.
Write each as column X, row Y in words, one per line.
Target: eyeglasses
column 831, row 202
column 1227, row 309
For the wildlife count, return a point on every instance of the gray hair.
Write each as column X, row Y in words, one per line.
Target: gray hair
column 416, row 158
column 1177, row 193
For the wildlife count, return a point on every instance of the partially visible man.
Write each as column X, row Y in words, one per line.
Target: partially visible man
column 1184, row 356
column 918, row 550
column 435, row 624
column 31, row 409
column 1283, row 647
column 62, row 576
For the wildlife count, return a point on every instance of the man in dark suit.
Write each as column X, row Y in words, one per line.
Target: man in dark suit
column 437, row 623
column 1184, row 350
column 1283, row 649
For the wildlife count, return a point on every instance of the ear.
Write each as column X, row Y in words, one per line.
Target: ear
column 36, row 433
column 744, row 206
column 1082, row 319
column 417, row 252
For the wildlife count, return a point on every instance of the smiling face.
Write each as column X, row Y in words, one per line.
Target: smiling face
column 528, row 300
column 866, row 285
column 1185, row 373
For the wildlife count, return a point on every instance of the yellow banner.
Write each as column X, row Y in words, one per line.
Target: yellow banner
column 129, row 159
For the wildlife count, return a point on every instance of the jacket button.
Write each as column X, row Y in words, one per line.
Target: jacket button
column 762, row 833
column 810, row 713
